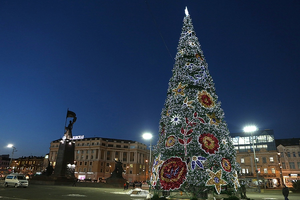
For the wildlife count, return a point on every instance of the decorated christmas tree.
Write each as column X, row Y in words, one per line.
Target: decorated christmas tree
column 194, row 152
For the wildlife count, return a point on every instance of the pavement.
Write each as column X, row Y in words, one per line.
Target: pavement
column 82, row 191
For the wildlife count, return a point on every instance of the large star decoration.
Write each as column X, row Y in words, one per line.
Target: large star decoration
column 236, row 181
column 216, row 180
column 179, row 90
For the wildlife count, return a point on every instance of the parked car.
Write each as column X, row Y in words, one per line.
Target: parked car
column 16, row 180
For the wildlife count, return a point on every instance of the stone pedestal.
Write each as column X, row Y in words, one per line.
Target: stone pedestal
column 65, row 156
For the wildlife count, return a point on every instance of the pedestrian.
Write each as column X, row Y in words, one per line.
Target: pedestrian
column 285, row 192
column 125, row 186
column 243, row 191
column 74, row 183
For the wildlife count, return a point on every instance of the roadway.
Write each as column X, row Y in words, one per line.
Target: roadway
column 55, row 192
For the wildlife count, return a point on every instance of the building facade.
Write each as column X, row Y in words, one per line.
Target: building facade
column 29, row 165
column 267, row 165
column 289, row 158
column 95, row 158
column 4, row 165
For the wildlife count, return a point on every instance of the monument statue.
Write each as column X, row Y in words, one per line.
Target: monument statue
column 116, row 177
column 118, row 169
column 68, row 129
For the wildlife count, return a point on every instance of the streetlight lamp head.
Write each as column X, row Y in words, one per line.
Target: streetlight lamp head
column 249, row 129
column 147, row 136
column 10, row 145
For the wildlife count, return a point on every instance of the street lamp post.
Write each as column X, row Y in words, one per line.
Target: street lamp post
column 14, row 149
column 251, row 129
column 148, row 136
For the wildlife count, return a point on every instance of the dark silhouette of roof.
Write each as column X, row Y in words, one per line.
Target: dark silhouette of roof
column 287, row 142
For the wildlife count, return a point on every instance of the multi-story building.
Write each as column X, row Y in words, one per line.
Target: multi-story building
column 29, row 165
column 95, row 158
column 266, row 157
column 289, row 155
column 4, row 164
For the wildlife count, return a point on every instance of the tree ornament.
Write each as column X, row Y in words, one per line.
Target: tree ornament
column 215, row 180
column 213, row 119
column 187, row 103
column 226, row 165
column 155, row 170
column 197, row 160
column 205, row 99
column 171, row 140
column 235, row 181
column 179, row 90
column 209, row 143
column 172, row 173
column 175, row 119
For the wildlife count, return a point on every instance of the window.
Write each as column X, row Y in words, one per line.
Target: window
column 294, row 154
column 243, row 171
column 85, row 163
column 264, row 160
column 288, row 154
column 78, row 151
column 257, row 160
column 273, row 170
column 80, row 163
column 292, row 165
column 108, row 155
column 87, row 151
column 124, row 156
column 281, row 154
column 298, row 163
column 131, row 165
column 125, row 146
column 118, row 146
column 271, row 159
column 265, row 170
column 91, row 163
column 110, row 145
column 107, row 164
column 298, row 153
column 242, row 160
column 92, row 157
column 258, row 170
column 103, row 144
column 283, row 165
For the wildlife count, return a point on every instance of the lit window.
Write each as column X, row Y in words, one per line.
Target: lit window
column 131, row 165
column 273, row 170
column 265, row 170
column 271, row 159
column 242, row 160
column 243, row 171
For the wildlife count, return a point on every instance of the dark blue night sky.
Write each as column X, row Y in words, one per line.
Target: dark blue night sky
column 107, row 62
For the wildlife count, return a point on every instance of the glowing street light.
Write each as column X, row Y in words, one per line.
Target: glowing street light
column 14, row 149
column 251, row 129
column 148, row 136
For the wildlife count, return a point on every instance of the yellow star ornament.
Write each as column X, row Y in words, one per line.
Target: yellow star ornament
column 179, row 90
column 236, row 181
column 216, row 180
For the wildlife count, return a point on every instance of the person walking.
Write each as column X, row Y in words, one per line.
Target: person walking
column 285, row 192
